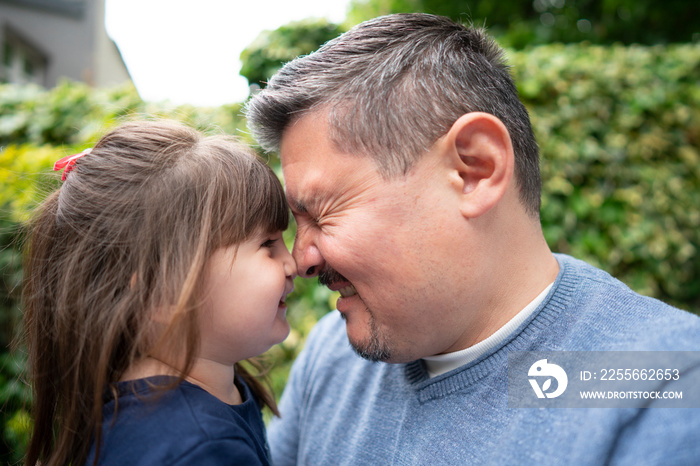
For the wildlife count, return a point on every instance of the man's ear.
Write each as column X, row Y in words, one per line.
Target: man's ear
column 481, row 154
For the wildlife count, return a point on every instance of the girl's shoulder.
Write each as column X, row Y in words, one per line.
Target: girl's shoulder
column 146, row 425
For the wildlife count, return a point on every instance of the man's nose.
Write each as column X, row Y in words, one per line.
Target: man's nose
column 307, row 255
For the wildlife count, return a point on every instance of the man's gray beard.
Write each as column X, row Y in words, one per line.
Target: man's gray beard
column 373, row 348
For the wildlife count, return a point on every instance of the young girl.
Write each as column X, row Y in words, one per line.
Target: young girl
column 156, row 267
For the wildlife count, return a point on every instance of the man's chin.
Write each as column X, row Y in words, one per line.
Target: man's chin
column 371, row 347
column 371, row 353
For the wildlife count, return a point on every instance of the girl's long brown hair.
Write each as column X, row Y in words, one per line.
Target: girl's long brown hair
column 129, row 232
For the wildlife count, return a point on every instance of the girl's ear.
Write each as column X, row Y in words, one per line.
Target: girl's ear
column 481, row 154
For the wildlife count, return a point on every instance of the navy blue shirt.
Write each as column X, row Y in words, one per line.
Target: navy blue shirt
column 186, row 425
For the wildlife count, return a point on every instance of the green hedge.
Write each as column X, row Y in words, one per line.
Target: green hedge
column 619, row 129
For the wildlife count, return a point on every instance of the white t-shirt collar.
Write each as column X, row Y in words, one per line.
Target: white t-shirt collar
column 442, row 363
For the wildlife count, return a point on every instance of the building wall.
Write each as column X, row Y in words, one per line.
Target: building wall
column 74, row 41
column 109, row 67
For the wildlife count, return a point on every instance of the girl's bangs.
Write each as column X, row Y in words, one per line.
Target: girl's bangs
column 258, row 205
column 268, row 209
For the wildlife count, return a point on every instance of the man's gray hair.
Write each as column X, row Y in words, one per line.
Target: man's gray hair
column 395, row 84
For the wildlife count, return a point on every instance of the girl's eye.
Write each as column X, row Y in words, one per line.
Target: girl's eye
column 269, row 243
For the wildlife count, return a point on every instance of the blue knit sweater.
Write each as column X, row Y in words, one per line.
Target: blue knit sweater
column 340, row 409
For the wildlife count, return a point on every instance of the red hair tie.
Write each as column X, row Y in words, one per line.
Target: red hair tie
column 68, row 162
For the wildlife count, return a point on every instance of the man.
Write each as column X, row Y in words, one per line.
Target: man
column 413, row 174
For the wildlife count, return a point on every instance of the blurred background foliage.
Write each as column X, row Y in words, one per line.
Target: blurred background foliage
column 271, row 49
column 515, row 23
column 618, row 126
column 520, row 23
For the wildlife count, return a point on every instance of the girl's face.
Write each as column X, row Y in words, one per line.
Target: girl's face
column 243, row 310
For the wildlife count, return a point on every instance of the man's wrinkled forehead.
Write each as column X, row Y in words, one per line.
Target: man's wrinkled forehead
column 299, row 158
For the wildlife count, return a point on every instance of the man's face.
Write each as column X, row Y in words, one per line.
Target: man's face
column 386, row 245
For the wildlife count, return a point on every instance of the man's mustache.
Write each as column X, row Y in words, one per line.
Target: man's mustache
column 328, row 276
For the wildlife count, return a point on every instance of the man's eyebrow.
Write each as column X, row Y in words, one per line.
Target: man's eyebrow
column 297, row 205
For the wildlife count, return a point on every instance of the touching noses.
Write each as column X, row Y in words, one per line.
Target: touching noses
column 308, row 258
column 289, row 264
